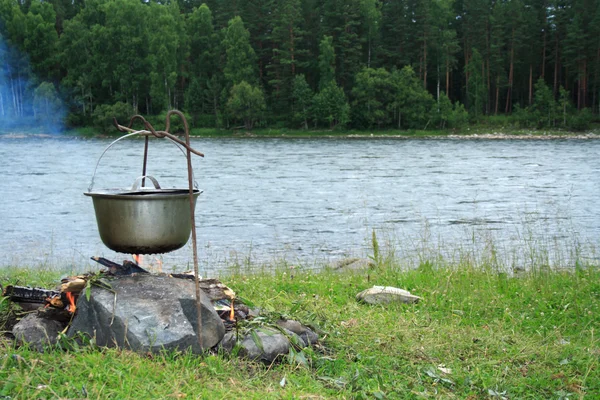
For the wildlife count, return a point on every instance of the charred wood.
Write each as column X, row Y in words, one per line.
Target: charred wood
column 25, row 294
column 127, row 268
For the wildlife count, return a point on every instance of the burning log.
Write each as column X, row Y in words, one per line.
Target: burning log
column 25, row 294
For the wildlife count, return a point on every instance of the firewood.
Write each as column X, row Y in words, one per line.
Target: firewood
column 211, row 287
column 127, row 268
column 74, row 286
column 56, row 302
column 22, row 294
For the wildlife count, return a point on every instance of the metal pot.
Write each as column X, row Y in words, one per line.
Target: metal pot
column 144, row 220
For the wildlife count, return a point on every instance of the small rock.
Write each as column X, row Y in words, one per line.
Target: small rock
column 228, row 342
column 306, row 334
column 37, row 332
column 386, row 294
column 272, row 342
column 352, row 264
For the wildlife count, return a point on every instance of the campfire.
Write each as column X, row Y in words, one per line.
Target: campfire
column 126, row 306
column 61, row 305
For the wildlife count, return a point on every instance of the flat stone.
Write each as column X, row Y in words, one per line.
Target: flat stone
column 305, row 333
column 37, row 332
column 352, row 264
column 147, row 313
column 385, row 295
column 273, row 344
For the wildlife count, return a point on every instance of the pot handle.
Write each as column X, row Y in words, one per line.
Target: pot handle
column 139, row 179
column 128, row 135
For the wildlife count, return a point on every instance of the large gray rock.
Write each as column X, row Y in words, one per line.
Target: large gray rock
column 152, row 313
column 37, row 332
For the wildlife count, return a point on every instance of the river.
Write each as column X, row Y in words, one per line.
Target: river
column 311, row 201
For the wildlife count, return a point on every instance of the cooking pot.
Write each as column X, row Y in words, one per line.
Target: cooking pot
column 143, row 220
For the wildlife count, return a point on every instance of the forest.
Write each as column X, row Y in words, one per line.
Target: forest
column 302, row 64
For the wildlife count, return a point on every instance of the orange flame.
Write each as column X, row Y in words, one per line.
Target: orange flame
column 71, row 306
column 138, row 259
column 232, row 312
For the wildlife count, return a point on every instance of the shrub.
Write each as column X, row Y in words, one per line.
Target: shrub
column 103, row 115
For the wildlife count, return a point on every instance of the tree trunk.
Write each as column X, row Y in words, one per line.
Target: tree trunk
column 530, row 83
column 556, row 65
column 543, row 71
column 291, row 30
column 14, row 97
column 487, row 63
column 424, row 61
column 497, row 95
column 447, row 77
column 510, row 74
column 438, row 87
column 585, row 79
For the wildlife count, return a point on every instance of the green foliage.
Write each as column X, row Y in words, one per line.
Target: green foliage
column 448, row 115
column 302, row 96
column 103, row 115
column 546, row 113
column 330, row 106
column 326, row 62
column 247, row 103
column 163, row 43
column 47, row 105
column 176, row 126
column 581, row 120
column 476, row 89
column 241, row 59
column 371, row 94
column 544, row 107
column 411, row 103
column 156, row 56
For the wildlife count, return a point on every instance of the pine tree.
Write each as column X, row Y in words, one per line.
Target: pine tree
column 342, row 21
column 476, row 88
column 240, row 64
column 326, row 62
column 303, row 98
column 201, row 99
column 163, row 41
column 286, row 57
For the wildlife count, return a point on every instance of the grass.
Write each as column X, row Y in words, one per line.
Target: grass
column 477, row 333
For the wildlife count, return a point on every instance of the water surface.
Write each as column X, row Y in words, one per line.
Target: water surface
column 308, row 201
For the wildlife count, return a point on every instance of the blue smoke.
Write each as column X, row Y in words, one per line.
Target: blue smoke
column 27, row 105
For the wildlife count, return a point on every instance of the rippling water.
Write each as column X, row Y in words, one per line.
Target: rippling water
column 309, row 201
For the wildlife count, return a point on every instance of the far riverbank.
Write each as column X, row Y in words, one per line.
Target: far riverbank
column 480, row 132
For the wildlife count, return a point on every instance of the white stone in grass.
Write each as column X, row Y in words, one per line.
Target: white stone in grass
column 385, row 295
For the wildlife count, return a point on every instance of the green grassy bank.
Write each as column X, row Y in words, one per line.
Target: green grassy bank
column 477, row 333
